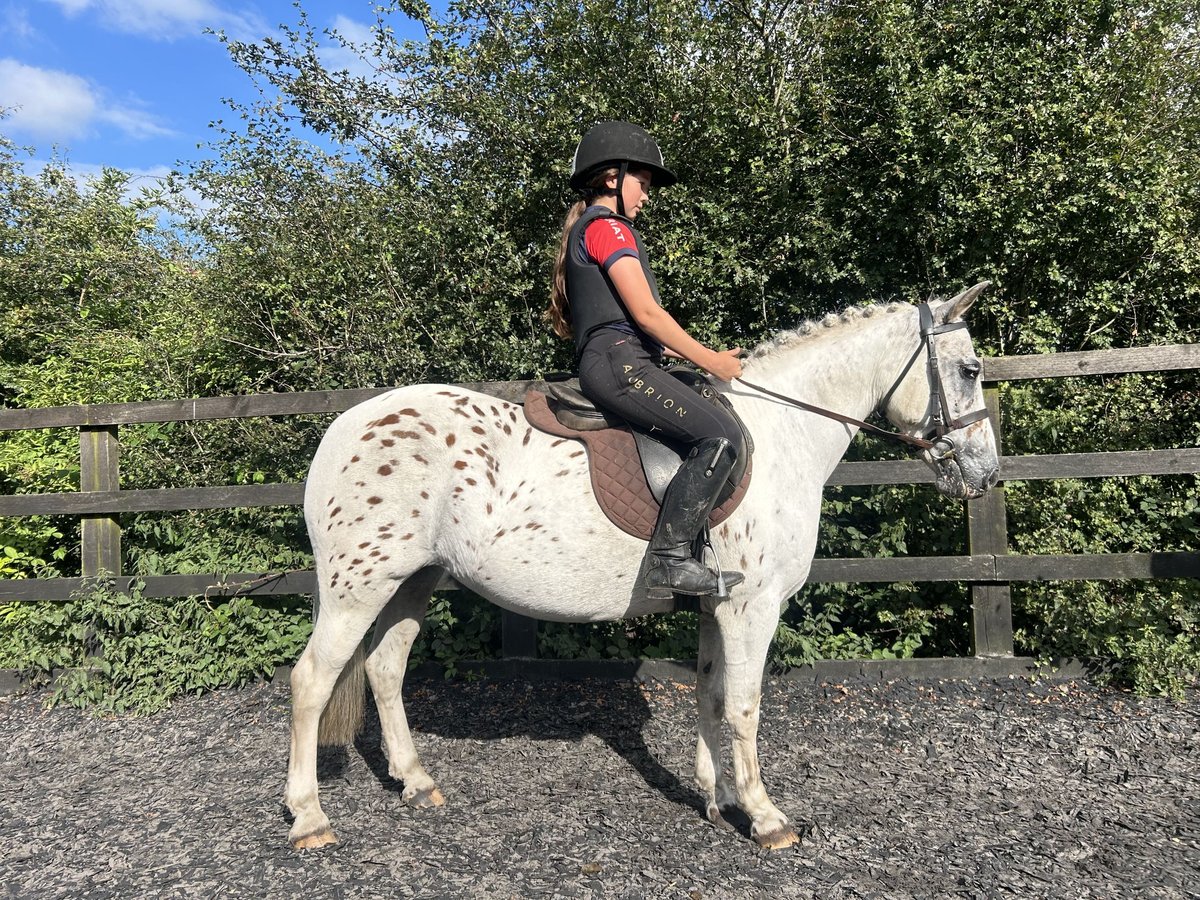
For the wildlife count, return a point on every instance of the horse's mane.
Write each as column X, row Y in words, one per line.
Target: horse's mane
column 815, row 329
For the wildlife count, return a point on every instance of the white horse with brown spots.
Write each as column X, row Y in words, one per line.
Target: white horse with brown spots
column 433, row 479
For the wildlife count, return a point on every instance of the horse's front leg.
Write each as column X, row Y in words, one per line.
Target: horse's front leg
column 747, row 627
column 710, row 697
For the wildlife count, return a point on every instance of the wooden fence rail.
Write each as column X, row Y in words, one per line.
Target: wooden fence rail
column 988, row 569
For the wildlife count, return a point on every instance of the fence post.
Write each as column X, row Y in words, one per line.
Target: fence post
column 518, row 636
column 987, row 530
column 100, row 470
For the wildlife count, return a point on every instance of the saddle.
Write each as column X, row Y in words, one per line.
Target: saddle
column 630, row 469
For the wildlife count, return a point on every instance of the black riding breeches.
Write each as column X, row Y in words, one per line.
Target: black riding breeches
column 618, row 373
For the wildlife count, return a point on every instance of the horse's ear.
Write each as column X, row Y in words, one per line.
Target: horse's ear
column 954, row 309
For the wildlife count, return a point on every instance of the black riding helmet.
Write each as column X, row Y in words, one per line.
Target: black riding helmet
column 620, row 144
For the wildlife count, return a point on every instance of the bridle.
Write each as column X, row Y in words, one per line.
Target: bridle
column 941, row 420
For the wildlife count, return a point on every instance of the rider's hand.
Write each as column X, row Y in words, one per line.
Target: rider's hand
column 727, row 366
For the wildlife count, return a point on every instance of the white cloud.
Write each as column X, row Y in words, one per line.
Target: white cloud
column 45, row 103
column 336, row 57
column 16, row 23
column 56, row 105
column 136, row 123
column 84, row 172
column 72, row 7
column 140, row 179
column 168, row 19
column 357, row 32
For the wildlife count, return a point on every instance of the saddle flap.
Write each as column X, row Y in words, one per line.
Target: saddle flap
column 619, row 481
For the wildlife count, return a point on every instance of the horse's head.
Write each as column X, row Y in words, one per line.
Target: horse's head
column 939, row 397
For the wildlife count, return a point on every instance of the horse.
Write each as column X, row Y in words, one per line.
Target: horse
column 429, row 480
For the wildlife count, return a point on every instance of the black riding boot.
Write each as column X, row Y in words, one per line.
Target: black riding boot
column 670, row 566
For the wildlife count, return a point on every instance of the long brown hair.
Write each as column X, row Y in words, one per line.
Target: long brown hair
column 559, row 310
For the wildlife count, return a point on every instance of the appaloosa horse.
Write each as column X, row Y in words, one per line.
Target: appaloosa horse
column 434, row 479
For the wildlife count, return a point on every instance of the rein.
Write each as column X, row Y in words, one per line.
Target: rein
column 920, row 443
column 940, row 416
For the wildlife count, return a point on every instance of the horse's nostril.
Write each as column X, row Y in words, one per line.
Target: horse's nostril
column 993, row 477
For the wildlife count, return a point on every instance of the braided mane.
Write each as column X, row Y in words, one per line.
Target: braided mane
column 817, row 328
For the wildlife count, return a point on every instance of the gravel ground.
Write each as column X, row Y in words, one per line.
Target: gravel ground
column 975, row 789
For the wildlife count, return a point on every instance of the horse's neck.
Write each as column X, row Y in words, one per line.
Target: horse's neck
column 846, row 369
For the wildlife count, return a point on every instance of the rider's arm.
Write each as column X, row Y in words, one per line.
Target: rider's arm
column 630, row 281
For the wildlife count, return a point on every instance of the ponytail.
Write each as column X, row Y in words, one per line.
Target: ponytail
column 559, row 310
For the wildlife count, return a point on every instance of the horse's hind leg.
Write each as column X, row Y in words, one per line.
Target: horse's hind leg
column 710, row 696
column 387, row 660
column 338, row 633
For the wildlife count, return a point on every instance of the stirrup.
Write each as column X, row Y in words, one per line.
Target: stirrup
column 721, row 583
column 725, row 580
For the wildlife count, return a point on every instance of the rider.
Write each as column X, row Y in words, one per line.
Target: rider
column 604, row 294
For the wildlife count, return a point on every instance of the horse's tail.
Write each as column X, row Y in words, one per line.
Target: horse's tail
column 342, row 718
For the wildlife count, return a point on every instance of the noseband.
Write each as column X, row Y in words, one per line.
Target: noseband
column 941, row 420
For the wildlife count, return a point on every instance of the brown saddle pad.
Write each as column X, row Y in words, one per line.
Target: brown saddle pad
column 617, row 477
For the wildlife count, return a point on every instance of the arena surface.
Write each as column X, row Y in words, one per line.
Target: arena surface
column 905, row 789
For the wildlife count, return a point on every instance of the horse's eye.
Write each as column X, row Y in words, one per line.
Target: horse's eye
column 970, row 370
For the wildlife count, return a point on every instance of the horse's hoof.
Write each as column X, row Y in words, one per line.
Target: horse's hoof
column 426, row 799
column 316, row 840
column 713, row 814
column 778, row 839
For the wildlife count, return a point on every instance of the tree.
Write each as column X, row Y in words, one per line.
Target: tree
column 830, row 153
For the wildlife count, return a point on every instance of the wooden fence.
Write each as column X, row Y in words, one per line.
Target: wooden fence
column 988, row 569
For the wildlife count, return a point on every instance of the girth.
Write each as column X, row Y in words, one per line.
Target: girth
column 630, row 470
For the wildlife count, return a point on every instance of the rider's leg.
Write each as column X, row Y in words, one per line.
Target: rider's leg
column 670, row 565
column 619, row 373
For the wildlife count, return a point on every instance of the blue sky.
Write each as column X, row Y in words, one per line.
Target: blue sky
column 135, row 83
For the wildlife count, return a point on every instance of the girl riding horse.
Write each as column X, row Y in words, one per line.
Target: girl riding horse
column 606, row 297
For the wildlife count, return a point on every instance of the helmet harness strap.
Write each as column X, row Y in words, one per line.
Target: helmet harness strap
column 621, row 188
